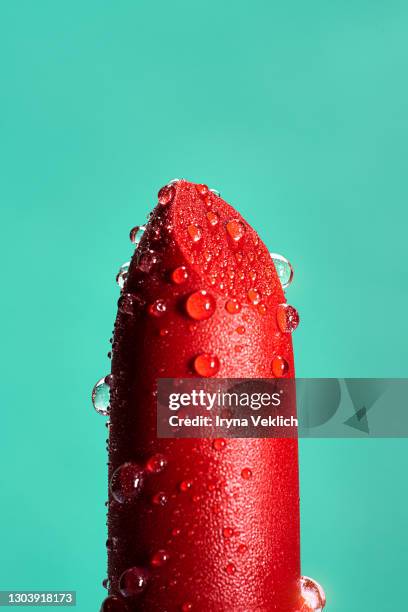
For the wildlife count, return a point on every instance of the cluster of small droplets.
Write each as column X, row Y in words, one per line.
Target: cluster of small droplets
column 312, row 596
column 101, row 395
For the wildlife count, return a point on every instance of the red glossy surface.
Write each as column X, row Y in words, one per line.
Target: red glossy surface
column 227, row 536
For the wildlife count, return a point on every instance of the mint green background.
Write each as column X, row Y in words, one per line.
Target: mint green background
column 297, row 112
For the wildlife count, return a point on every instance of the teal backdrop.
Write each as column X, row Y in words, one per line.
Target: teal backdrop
column 298, row 113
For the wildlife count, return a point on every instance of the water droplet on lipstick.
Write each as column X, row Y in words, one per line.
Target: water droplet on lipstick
column 219, row 444
column 242, row 549
column 246, row 474
column 133, row 581
column 262, row 309
column 126, row 482
column 216, row 192
column 159, row 499
column 129, row 303
column 283, row 268
column 287, row 317
column 200, row 305
column 313, row 598
column 206, row 365
column 101, row 396
column 136, row 234
column 254, row 296
column 202, row 190
column 194, row 231
column 187, row 606
column 159, row 558
column 232, row 306
column 147, row 261
column 166, row 195
column 280, row 366
column 156, row 464
column 227, row 532
column 179, row 275
column 212, row 218
column 122, row 274
column 230, row 569
column 235, row 230
column 158, row 308
column 185, row 485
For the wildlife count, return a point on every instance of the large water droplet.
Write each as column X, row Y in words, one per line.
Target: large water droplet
column 254, row 296
column 129, row 303
column 206, row 365
column 179, row 275
column 160, row 498
column 212, row 218
column 126, row 482
column 136, row 234
column 101, row 396
column 133, row 581
column 122, row 274
column 156, row 463
column 313, row 598
column 219, row 443
column 200, row 305
column 195, row 233
column 147, row 261
column 235, row 230
column 159, row 558
column 232, row 306
column 157, row 308
column 185, row 485
column 283, row 268
column 202, row 190
column 287, row 317
column 280, row 366
column 246, row 474
column 166, row 195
